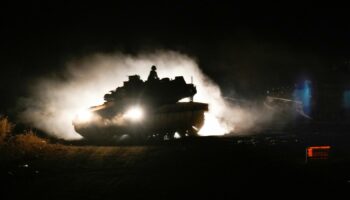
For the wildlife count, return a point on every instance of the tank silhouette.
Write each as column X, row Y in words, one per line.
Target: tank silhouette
column 144, row 109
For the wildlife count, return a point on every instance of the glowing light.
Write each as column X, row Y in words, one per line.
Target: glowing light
column 84, row 116
column 318, row 152
column 134, row 114
column 212, row 126
column 303, row 93
column 177, row 135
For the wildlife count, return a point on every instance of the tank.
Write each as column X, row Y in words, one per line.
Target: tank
column 141, row 110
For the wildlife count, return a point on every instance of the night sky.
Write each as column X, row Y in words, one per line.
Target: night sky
column 244, row 50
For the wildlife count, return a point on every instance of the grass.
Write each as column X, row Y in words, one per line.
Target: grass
column 5, row 129
column 27, row 145
column 17, row 146
column 34, row 167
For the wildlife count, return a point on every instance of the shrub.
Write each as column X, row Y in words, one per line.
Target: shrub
column 5, row 129
column 28, row 142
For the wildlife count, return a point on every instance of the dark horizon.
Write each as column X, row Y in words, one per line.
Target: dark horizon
column 244, row 50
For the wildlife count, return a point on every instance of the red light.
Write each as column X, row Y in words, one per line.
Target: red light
column 318, row 152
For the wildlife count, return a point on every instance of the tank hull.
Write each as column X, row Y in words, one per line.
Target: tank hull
column 182, row 118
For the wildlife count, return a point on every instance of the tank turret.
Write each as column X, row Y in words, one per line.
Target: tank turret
column 144, row 109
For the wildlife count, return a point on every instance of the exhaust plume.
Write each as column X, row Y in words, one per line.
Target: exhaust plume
column 55, row 101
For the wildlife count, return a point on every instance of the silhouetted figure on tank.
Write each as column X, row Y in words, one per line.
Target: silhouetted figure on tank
column 153, row 74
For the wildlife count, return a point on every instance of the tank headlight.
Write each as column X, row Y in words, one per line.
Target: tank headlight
column 84, row 116
column 134, row 113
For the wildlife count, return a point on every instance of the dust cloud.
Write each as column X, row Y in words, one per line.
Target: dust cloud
column 55, row 101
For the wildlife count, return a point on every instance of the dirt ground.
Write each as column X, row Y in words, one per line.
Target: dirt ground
column 205, row 168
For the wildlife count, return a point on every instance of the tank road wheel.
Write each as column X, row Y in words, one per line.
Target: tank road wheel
column 192, row 132
column 123, row 139
column 129, row 139
column 167, row 135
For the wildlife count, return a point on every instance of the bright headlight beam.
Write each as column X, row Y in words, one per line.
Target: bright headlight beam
column 134, row 113
column 84, row 116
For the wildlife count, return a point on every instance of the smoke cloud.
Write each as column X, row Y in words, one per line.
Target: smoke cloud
column 55, row 101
